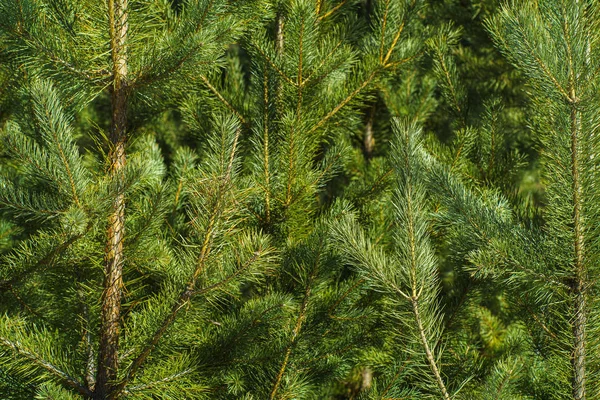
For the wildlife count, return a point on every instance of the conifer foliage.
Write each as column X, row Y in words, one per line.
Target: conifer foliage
column 299, row 199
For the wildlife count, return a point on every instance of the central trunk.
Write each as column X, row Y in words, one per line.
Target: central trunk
column 108, row 362
column 578, row 357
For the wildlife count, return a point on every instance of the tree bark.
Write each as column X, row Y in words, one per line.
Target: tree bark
column 108, row 362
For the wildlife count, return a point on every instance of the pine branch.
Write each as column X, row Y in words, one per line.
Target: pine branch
column 57, row 133
column 190, row 289
column 229, row 278
column 150, row 385
column 292, row 138
column 330, row 12
column 45, row 261
column 298, row 325
column 179, row 304
column 343, row 103
column 274, row 66
column 430, row 359
column 148, row 78
column 409, row 215
column 91, row 76
column 222, row 99
column 531, row 50
column 383, row 26
column 56, row 372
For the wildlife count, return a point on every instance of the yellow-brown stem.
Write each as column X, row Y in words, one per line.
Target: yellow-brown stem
column 108, row 360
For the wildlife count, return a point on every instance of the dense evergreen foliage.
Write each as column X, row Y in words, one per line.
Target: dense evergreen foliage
column 299, row 199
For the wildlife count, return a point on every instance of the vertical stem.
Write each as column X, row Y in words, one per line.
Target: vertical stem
column 428, row 353
column 279, row 34
column 414, row 266
column 292, row 138
column 108, row 363
column 279, row 42
column 279, row 45
column 90, row 368
column 579, row 278
column 266, row 146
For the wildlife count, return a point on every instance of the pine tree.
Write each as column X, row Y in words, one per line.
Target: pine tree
column 547, row 264
column 180, row 242
column 91, row 52
column 408, row 275
column 562, row 75
column 307, row 199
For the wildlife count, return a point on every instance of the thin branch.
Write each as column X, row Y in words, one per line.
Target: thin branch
column 343, row 296
column 503, row 383
column 62, row 376
column 343, row 103
column 44, row 261
column 297, row 327
column 448, row 78
column 267, row 186
column 430, row 358
column 325, row 170
column 579, row 279
column 537, row 319
column 383, row 25
column 23, row 304
column 330, row 12
column 229, row 278
column 291, row 141
column 63, row 158
column 389, row 386
column 541, row 64
column 322, row 63
column 189, row 291
column 280, row 72
column 395, row 64
column 222, row 99
column 90, row 369
column 150, row 385
column 394, row 42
